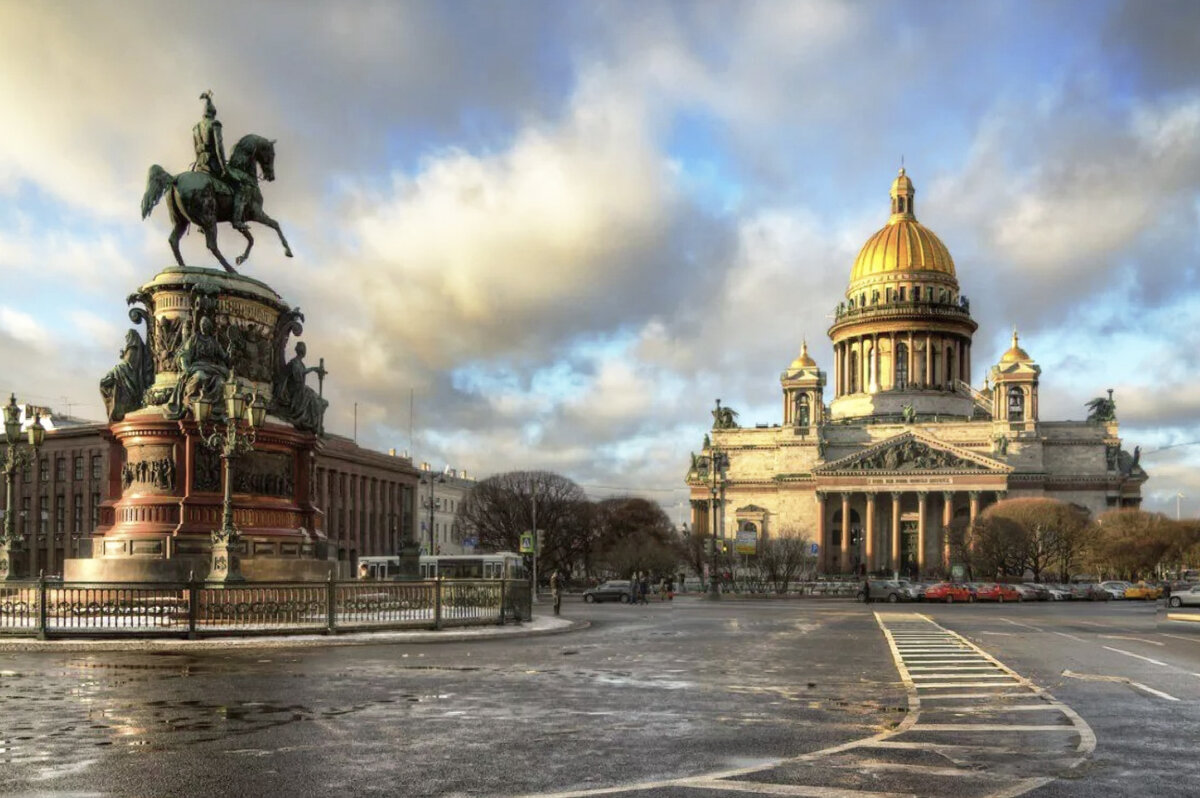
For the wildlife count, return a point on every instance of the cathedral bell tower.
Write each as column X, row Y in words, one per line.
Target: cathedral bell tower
column 803, row 393
column 1015, row 387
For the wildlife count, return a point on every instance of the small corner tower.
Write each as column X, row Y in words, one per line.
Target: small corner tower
column 803, row 392
column 1015, row 386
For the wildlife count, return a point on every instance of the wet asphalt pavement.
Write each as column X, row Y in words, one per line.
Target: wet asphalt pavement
column 657, row 699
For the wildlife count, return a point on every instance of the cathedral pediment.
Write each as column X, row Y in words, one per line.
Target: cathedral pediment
column 908, row 453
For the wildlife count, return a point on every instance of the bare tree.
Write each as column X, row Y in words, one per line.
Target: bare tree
column 501, row 508
column 782, row 560
column 1050, row 534
column 634, row 534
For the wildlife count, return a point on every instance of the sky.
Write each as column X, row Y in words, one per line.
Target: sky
column 550, row 235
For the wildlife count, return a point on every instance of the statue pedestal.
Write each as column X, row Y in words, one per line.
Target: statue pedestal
column 204, row 328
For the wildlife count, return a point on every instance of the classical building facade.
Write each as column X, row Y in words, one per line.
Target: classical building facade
column 440, row 493
column 906, row 450
column 368, row 498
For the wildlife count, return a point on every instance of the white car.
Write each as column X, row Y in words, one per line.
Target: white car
column 1185, row 598
column 1059, row 593
column 1115, row 587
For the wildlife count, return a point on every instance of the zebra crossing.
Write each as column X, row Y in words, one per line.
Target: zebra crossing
column 975, row 729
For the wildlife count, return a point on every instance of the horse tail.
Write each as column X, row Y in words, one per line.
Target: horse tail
column 158, row 182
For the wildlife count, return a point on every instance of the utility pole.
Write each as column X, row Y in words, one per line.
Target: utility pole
column 535, row 547
column 1178, row 497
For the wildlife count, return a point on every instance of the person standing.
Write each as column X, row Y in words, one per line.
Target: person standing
column 556, row 590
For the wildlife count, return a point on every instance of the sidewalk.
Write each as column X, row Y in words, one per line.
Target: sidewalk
column 540, row 625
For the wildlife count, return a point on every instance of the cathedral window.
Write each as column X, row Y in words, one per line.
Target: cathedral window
column 901, row 381
column 901, row 293
column 854, row 372
column 802, row 411
column 1016, row 404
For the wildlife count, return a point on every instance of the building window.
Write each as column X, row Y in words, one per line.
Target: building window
column 27, row 473
column 77, row 515
column 60, row 514
column 44, row 469
column 901, row 366
column 1016, row 404
column 95, row 466
column 60, row 468
column 802, row 412
column 95, row 509
column 78, row 466
column 25, row 503
column 43, row 511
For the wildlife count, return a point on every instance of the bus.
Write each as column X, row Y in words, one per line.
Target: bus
column 500, row 565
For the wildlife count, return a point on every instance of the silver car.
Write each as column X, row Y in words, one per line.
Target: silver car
column 1185, row 598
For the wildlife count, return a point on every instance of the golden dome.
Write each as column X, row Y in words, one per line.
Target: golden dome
column 1016, row 354
column 804, row 361
column 904, row 244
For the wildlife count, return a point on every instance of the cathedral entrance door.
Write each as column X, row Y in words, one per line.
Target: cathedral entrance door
column 908, row 547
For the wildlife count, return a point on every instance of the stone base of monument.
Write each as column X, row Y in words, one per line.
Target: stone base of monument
column 209, row 333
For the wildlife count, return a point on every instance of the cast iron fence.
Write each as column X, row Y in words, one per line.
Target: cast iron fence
column 49, row 608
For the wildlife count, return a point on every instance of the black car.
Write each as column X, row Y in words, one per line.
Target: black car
column 612, row 590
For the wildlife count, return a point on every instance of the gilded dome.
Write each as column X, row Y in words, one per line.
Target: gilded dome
column 803, row 361
column 904, row 244
column 1015, row 354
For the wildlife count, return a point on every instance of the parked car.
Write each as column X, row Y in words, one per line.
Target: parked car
column 883, row 590
column 1189, row 597
column 1143, row 591
column 915, row 591
column 612, row 590
column 1031, row 592
column 948, row 592
column 1060, row 592
column 997, row 593
column 1090, row 591
column 1115, row 587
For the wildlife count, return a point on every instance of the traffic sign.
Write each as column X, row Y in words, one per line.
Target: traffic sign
column 815, row 548
column 527, row 543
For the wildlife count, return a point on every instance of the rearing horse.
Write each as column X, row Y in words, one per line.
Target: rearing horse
column 203, row 200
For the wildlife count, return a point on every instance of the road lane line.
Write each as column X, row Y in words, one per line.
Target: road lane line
column 1026, row 625
column 1073, row 637
column 1137, row 639
column 1136, row 656
column 800, row 791
column 994, row 727
column 1164, row 634
column 1104, row 677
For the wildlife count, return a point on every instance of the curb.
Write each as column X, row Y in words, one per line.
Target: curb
column 538, row 627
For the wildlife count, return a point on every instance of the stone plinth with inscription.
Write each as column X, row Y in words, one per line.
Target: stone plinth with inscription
column 205, row 330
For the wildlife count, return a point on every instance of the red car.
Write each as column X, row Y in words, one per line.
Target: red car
column 948, row 592
column 998, row 593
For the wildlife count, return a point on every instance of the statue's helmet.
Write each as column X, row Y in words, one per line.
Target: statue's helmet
column 210, row 110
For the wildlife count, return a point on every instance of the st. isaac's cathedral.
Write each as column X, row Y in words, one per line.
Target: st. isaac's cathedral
column 907, row 449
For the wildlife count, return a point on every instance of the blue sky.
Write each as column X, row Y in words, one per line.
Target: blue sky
column 565, row 228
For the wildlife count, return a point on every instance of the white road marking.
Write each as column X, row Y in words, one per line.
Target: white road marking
column 1104, row 677
column 1136, row 656
column 1073, row 637
column 1164, row 634
column 1137, row 639
column 1026, row 625
column 993, row 727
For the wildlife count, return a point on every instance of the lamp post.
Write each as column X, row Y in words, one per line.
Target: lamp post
column 430, row 480
column 244, row 414
column 1178, row 498
column 14, row 458
column 717, row 463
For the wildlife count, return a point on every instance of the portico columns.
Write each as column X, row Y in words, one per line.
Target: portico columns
column 845, row 553
column 895, row 531
column 922, row 507
column 947, row 517
column 870, row 549
column 974, row 495
column 822, row 536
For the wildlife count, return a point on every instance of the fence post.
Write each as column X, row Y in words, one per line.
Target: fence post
column 42, row 605
column 437, row 602
column 193, row 604
column 503, row 595
column 330, row 605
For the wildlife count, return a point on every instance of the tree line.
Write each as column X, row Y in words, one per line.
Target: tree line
column 1047, row 538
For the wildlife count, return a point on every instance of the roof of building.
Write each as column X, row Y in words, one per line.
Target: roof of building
column 903, row 244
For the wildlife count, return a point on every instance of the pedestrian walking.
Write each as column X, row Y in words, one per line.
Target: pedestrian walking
column 643, row 589
column 556, row 590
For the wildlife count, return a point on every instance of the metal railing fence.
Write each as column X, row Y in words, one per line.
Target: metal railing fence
column 48, row 608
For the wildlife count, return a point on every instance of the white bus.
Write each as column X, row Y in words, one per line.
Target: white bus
column 501, row 565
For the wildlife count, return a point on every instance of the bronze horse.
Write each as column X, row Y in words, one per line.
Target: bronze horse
column 201, row 199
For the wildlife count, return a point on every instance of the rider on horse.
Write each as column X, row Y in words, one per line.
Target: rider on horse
column 210, row 158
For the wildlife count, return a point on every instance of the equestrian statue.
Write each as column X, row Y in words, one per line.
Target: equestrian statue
column 215, row 189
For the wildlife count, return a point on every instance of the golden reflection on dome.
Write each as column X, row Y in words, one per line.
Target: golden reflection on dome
column 1016, row 354
column 804, row 361
column 904, row 244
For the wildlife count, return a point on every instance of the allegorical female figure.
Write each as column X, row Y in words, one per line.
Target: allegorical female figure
column 123, row 386
column 295, row 402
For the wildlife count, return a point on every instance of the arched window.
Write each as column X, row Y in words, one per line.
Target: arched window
column 901, row 367
column 854, row 372
column 802, row 410
column 1016, row 404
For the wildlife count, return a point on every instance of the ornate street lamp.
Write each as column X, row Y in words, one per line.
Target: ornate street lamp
column 15, row 458
column 244, row 414
column 430, row 480
column 715, row 466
